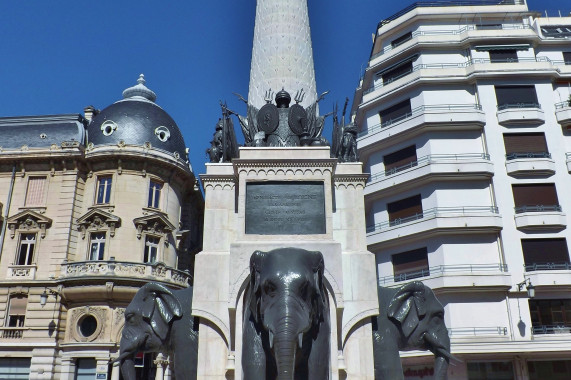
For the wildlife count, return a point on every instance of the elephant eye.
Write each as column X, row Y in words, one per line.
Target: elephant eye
column 270, row 289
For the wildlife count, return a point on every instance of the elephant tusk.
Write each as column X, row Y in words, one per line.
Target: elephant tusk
column 271, row 339
column 300, row 340
column 122, row 357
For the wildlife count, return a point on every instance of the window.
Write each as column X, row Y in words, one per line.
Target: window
column 397, row 112
column 550, row 316
column 410, row 264
column 17, row 311
column 516, row 97
column 35, row 191
column 525, row 145
column 545, row 254
column 405, row 210
column 97, row 246
column 535, row 198
column 397, row 72
column 15, row 368
column 85, row 369
column 490, row 370
column 401, row 40
column 549, row 369
column 103, row 190
column 154, row 194
column 498, row 56
column 567, row 57
column 488, row 26
column 151, row 249
column 26, row 249
column 400, row 160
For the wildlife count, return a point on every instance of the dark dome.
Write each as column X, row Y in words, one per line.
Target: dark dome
column 136, row 120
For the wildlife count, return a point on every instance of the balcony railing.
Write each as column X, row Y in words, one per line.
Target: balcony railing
column 506, row 106
column 538, row 208
column 516, row 155
column 448, row 32
column 477, row 331
column 156, row 271
column 562, row 105
column 12, row 332
column 427, row 160
column 547, row 266
column 443, row 269
column 551, row 329
column 417, row 111
column 432, row 213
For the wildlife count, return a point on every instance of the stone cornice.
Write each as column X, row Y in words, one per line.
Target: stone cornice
column 41, row 119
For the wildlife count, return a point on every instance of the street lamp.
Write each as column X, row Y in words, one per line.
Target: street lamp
column 45, row 294
column 528, row 286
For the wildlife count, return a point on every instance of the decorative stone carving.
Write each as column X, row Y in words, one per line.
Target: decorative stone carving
column 155, row 224
column 97, row 220
column 28, row 221
column 77, row 315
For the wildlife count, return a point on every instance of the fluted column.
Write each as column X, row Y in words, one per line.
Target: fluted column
column 282, row 55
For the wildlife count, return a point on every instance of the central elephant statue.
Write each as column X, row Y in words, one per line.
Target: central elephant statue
column 286, row 331
column 411, row 318
column 158, row 320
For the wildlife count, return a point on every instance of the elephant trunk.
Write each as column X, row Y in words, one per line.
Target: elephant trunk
column 128, row 368
column 285, row 346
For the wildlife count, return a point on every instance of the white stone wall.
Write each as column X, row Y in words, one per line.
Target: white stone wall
column 282, row 55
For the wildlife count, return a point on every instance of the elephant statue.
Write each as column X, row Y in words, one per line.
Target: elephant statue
column 158, row 320
column 411, row 318
column 286, row 331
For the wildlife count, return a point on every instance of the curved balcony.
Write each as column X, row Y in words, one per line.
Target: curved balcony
column 548, row 274
column 438, row 220
column 461, row 275
column 538, row 217
column 529, row 163
column 428, row 168
column 563, row 113
column 442, row 116
column 112, row 269
column 520, row 113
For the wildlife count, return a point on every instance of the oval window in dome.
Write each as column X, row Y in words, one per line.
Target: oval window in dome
column 162, row 133
column 108, row 127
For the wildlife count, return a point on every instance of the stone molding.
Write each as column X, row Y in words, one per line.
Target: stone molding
column 28, row 221
column 223, row 182
column 99, row 313
column 350, row 180
column 98, row 220
column 154, row 224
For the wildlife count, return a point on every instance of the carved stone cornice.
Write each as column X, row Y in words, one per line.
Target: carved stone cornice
column 213, row 181
column 97, row 220
column 323, row 165
column 155, row 223
column 348, row 180
column 28, row 220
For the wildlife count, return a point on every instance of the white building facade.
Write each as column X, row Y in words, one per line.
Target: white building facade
column 463, row 113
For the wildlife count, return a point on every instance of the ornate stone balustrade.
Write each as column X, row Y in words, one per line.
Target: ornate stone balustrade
column 112, row 268
column 22, row 272
column 12, row 332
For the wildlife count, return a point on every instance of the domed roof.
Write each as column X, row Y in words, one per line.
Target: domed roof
column 135, row 120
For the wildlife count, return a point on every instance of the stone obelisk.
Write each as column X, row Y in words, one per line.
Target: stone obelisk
column 282, row 55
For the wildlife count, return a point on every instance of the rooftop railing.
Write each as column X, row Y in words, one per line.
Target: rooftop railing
column 449, row 32
column 477, row 331
column 427, row 160
column 547, row 266
column 417, row 111
column 443, row 269
column 551, row 329
column 432, row 213
column 506, row 106
column 538, row 208
column 517, row 155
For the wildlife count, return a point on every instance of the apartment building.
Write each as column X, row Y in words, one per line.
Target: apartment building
column 93, row 207
column 464, row 112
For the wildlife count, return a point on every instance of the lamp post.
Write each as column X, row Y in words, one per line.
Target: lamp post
column 528, row 286
column 45, row 294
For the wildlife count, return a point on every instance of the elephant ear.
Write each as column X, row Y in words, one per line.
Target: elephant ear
column 408, row 306
column 318, row 267
column 256, row 262
column 160, row 307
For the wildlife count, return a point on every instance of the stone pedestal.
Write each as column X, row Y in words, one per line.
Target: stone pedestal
column 222, row 268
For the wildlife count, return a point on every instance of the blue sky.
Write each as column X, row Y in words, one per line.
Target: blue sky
column 60, row 56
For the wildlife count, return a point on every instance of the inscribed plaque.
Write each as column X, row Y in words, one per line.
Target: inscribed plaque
column 285, row 208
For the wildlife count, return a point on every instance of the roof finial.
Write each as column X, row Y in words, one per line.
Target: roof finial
column 140, row 90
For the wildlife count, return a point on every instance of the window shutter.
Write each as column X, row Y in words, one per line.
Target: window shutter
column 35, row 191
column 400, row 158
column 516, row 94
column 18, row 305
column 397, row 72
column 567, row 57
column 410, row 261
column 405, row 208
column 525, row 143
column 503, row 56
column 401, row 40
column 398, row 110
column 536, row 194
column 538, row 251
